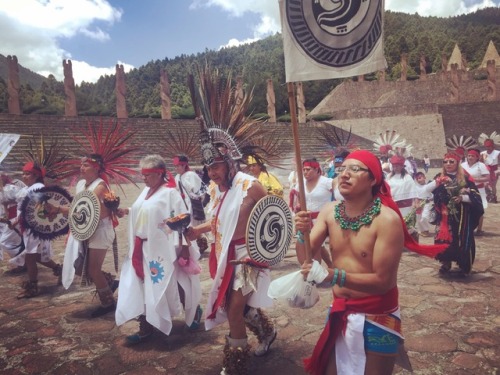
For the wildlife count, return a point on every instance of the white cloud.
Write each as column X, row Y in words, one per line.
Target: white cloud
column 33, row 35
column 438, row 8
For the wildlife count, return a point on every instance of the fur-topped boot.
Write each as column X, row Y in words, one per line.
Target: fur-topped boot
column 236, row 353
column 30, row 289
column 145, row 330
column 107, row 302
column 112, row 282
column 57, row 271
column 262, row 327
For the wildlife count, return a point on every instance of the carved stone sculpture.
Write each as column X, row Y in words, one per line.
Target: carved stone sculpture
column 13, row 86
column 238, row 92
column 69, row 90
column 301, row 107
column 120, row 92
column 165, row 96
column 492, row 80
column 404, row 66
column 454, row 83
column 271, row 101
column 423, row 66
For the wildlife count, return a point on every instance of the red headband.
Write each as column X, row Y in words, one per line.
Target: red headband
column 153, row 170
column 452, row 155
column 373, row 164
column 396, row 159
column 473, row 152
column 488, row 143
column 312, row 164
column 32, row 168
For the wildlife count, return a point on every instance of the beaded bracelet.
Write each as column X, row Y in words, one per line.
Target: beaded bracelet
column 342, row 278
column 335, row 276
column 300, row 237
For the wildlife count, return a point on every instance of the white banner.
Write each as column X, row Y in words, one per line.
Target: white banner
column 325, row 39
column 7, row 141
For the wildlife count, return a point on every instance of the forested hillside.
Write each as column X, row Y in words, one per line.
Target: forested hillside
column 256, row 62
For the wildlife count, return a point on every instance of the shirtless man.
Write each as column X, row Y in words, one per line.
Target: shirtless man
column 366, row 256
column 238, row 291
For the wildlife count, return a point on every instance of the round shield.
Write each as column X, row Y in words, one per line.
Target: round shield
column 84, row 215
column 35, row 217
column 269, row 230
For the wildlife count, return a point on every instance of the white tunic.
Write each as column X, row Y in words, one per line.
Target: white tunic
column 476, row 171
column 157, row 297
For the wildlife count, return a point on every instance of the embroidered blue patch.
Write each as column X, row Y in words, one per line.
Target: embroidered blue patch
column 157, row 271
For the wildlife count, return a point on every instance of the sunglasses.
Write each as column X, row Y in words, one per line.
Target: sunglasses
column 449, row 161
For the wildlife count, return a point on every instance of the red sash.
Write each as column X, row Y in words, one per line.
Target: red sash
column 337, row 323
column 137, row 257
column 228, row 273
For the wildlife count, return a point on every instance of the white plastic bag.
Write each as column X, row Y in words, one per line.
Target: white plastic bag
column 293, row 289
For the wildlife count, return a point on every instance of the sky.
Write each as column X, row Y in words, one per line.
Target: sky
column 98, row 34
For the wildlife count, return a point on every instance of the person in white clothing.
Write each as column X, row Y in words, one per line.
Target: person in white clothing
column 481, row 175
column 424, row 205
column 36, row 250
column 491, row 157
column 86, row 258
column 403, row 189
column 154, row 285
column 318, row 192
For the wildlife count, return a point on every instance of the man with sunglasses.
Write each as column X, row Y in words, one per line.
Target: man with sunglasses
column 367, row 234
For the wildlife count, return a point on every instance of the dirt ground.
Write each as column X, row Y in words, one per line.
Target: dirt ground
column 451, row 325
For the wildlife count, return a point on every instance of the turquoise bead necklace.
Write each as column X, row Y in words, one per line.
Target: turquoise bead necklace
column 355, row 223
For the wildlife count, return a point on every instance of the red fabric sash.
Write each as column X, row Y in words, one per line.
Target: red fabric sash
column 337, row 323
column 405, row 203
column 314, row 215
column 137, row 257
column 228, row 273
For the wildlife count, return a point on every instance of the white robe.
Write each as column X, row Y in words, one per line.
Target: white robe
column 157, row 297
column 74, row 246
column 226, row 225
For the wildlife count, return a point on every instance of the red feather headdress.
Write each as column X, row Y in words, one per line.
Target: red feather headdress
column 112, row 142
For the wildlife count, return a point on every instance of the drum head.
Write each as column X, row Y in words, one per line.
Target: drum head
column 84, row 215
column 269, row 231
column 35, row 218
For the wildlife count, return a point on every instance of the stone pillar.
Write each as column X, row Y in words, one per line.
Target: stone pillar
column 381, row 75
column 455, row 93
column 271, row 101
column 492, row 80
column 120, row 92
column 13, row 86
column 239, row 94
column 69, row 90
column 444, row 66
column 301, row 107
column 166, row 101
column 404, row 66
column 423, row 66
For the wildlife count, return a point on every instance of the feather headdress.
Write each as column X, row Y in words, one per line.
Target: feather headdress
column 45, row 157
column 181, row 142
column 338, row 140
column 459, row 145
column 227, row 133
column 493, row 137
column 112, row 143
column 390, row 143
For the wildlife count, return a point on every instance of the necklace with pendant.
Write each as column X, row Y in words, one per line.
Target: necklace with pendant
column 355, row 223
